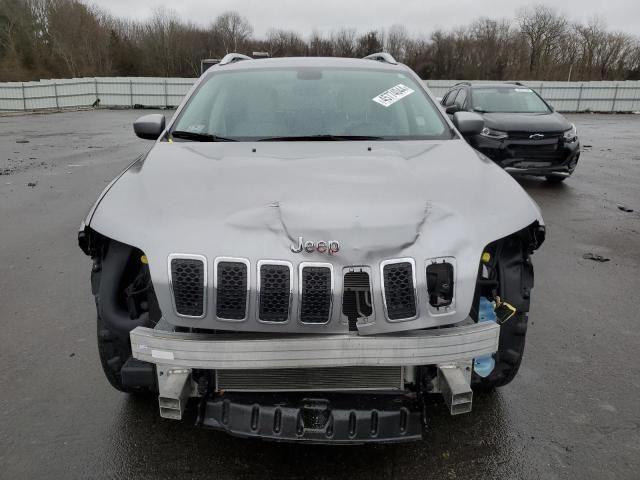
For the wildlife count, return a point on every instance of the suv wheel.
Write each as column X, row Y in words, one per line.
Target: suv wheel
column 114, row 351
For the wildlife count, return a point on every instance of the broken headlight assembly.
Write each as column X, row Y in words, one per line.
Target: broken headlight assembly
column 571, row 135
column 493, row 134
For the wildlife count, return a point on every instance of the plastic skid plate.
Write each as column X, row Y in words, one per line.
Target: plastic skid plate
column 321, row 418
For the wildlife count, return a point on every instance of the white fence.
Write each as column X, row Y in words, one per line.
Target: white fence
column 83, row 92
column 168, row 92
column 602, row 96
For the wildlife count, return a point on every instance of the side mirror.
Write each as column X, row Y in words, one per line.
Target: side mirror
column 149, row 127
column 468, row 123
column 451, row 109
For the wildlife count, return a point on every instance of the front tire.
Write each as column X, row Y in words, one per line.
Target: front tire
column 124, row 299
column 114, row 351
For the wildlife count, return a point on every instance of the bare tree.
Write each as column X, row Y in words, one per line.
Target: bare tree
column 234, row 31
column 396, row 41
column 369, row 42
column 611, row 50
column 319, row 46
column 76, row 36
column 285, row 43
column 631, row 63
column 344, row 42
column 61, row 38
column 541, row 26
column 587, row 38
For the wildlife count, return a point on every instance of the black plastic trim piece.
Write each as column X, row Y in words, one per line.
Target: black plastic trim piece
column 138, row 374
column 188, row 286
column 323, row 418
column 399, row 289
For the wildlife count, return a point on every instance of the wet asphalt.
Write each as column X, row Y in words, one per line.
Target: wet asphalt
column 572, row 412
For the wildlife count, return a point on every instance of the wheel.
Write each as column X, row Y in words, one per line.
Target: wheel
column 114, row 351
column 508, row 357
column 555, row 179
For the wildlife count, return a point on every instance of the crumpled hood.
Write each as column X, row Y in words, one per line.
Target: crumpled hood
column 253, row 200
column 527, row 122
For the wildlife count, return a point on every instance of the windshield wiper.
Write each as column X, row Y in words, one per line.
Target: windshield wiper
column 321, row 138
column 200, row 137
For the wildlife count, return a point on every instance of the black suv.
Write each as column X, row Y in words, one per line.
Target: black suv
column 523, row 133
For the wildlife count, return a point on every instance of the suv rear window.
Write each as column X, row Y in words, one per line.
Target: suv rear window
column 302, row 102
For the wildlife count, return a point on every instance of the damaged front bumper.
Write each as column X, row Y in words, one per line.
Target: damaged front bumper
column 309, row 415
column 259, row 351
column 551, row 156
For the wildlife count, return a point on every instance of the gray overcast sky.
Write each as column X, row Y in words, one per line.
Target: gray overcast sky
column 419, row 16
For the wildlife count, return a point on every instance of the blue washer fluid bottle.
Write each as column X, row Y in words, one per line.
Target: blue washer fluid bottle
column 484, row 365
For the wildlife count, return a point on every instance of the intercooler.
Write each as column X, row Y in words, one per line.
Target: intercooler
column 311, row 379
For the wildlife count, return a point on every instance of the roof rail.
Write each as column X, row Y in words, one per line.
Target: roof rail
column 382, row 57
column 233, row 57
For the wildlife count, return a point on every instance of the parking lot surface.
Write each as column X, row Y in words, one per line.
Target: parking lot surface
column 572, row 412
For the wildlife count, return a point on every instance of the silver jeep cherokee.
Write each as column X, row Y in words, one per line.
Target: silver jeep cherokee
column 310, row 249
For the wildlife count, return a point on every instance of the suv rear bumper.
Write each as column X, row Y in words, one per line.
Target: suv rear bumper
column 245, row 351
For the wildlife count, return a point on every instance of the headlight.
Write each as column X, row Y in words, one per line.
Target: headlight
column 495, row 134
column 571, row 135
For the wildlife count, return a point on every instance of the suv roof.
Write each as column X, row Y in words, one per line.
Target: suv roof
column 359, row 63
column 487, row 84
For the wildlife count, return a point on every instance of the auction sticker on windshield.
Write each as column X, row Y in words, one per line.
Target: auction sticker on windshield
column 391, row 96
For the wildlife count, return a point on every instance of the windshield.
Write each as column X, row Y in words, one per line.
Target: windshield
column 508, row 100
column 309, row 104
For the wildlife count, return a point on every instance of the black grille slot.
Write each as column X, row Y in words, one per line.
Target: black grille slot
column 231, row 291
column 275, row 286
column 527, row 135
column 537, row 152
column 187, row 280
column 399, row 290
column 356, row 281
column 356, row 297
column 316, row 295
column 440, row 284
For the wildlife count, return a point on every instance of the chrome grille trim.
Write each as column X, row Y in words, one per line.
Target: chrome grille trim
column 246, row 262
column 189, row 256
column 262, row 263
column 384, row 288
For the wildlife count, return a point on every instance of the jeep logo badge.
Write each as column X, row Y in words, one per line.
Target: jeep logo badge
column 330, row 247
